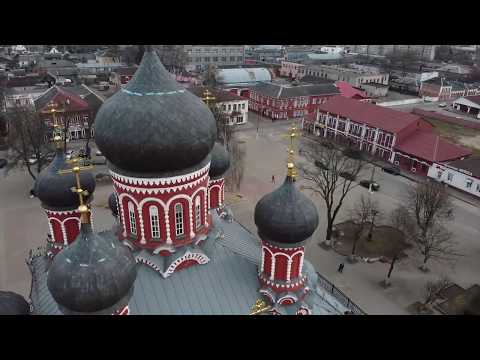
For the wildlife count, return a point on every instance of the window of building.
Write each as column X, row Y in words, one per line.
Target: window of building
column 450, row 177
column 198, row 59
column 239, row 58
column 234, row 107
column 224, row 58
column 232, row 58
column 133, row 223
column 243, row 106
column 198, row 213
column 224, row 107
column 207, row 58
column 179, row 219
column 239, row 119
column 478, row 187
column 469, row 183
column 215, row 58
column 154, row 222
column 229, row 107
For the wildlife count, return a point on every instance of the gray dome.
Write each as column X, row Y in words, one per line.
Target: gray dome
column 286, row 215
column 113, row 203
column 13, row 304
column 54, row 190
column 154, row 125
column 92, row 274
column 220, row 161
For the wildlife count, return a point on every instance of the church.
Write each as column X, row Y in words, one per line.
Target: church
column 174, row 248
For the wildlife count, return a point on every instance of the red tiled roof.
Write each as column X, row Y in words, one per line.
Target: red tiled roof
column 349, row 91
column 429, row 146
column 60, row 95
column 370, row 114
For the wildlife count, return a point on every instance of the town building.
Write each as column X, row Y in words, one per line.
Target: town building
column 424, row 52
column 233, row 106
column 351, row 92
column 441, row 89
column 57, row 67
column 468, row 104
column 375, row 90
column 400, row 138
column 121, row 76
column 266, row 53
column 240, row 81
column 284, row 101
column 199, row 57
column 355, row 77
column 460, row 174
column 173, row 247
column 23, row 96
column 293, row 70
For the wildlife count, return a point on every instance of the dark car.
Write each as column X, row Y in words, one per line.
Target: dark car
column 347, row 175
column 366, row 184
column 391, row 170
column 3, row 163
column 320, row 165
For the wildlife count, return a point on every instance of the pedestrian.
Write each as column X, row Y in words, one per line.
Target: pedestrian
column 273, row 179
column 340, row 268
column 32, row 193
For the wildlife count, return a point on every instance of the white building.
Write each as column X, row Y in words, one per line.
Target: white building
column 460, row 174
column 468, row 104
column 333, row 49
column 23, row 96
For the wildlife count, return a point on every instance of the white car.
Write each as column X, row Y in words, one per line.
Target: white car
column 442, row 105
column 69, row 154
column 98, row 153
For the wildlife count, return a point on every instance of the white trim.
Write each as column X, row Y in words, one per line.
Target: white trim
column 124, row 215
column 66, row 212
column 199, row 258
column 291, row 296
column 64, row 230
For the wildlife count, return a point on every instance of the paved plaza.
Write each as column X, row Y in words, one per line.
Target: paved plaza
column 23, row 226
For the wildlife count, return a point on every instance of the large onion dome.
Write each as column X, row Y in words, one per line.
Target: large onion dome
column 113, row 203
column 154, row 125
column 285, row 215
column 13, row 304
column 54, row 190
column 95, row 274
column 220, row 161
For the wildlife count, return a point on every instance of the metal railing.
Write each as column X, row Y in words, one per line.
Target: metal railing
column 340, row 296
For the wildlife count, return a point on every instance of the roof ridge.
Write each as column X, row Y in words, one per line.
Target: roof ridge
column 91, row 91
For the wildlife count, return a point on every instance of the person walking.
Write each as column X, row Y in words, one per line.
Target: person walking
column 340, row 268
column 273, row 179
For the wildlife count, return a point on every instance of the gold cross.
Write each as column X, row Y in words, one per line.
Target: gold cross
column 259, row 307
column 76, row 169
column 207, row 98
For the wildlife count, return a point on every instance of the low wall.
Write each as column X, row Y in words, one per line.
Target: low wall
column 401, row 102
column 449, row 119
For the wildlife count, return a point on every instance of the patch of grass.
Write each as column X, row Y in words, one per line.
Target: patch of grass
column 386, row 241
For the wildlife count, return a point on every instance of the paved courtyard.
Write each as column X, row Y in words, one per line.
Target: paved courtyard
column 23, row 226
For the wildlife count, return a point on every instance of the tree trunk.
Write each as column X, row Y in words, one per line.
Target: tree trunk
column 423, row 267
column 328, row 238
column 30, row 171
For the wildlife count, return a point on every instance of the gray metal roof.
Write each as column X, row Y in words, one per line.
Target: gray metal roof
column 284, row 92
column 227, row 285
column 245, row 75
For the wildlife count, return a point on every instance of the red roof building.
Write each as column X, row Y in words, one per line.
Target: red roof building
column 398, row 137
column 348, row 91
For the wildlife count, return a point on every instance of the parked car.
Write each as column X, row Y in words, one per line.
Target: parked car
column 347, row 176
column 320, row 165
column 3, row 163
column 366, row 184
column 442, row 105
column 98, row 153
column 33, row 160
column 391, row 170
column 69, row 154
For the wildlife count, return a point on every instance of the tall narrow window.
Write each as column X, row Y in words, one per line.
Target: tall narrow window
column 198, row 212
column 178, row 219
column 133, row 223
column 154, row 222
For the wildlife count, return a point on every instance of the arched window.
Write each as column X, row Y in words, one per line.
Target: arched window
column 133, row 223
column 154, row 222
column 198, row 212
column 179, row 219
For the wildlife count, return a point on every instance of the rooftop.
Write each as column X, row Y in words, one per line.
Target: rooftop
column 372, row 115
column 475, row 99
column 220, row 95
column 470, row 165
column 289, row 91
column 431, row 147
column 349, row 91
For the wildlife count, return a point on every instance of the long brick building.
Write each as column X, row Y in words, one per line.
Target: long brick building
column 288, row 101
column 401, row 138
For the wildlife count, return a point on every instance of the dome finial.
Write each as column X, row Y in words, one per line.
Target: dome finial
column 291, row 172
column 83, row 209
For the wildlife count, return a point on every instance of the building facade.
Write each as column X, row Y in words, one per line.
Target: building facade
column 402, row 139
column 355, row 77
column 441, row 89
column 462, row 174
column 199, row 57
column 468, row 104
column 285, row 101
column 292, row 70
column 425, row 52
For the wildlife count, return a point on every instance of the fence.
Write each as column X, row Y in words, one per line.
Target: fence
column 340, row 296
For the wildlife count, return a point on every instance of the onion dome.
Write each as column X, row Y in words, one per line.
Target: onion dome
column 95, row 274
column 13, row 304
column 113, row 204
column 54, row 190
column 154, row 125
column 286, row 216
column 220, row 161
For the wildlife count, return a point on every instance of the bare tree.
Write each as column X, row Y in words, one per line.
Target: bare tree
column 423, row 219
column 28, row 138
column 224, row 129
column 237, row 163
column 332, row 180
column 434, row 288
column 173, row 57
column 364, row 211
column 209, row 76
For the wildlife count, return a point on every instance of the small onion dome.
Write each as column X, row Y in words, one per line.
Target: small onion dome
column 113, row 203
column 13, row 304
column 220, row 161
column 286, row 216
column 154, row 125
column 92, row 275
column 54, row 190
